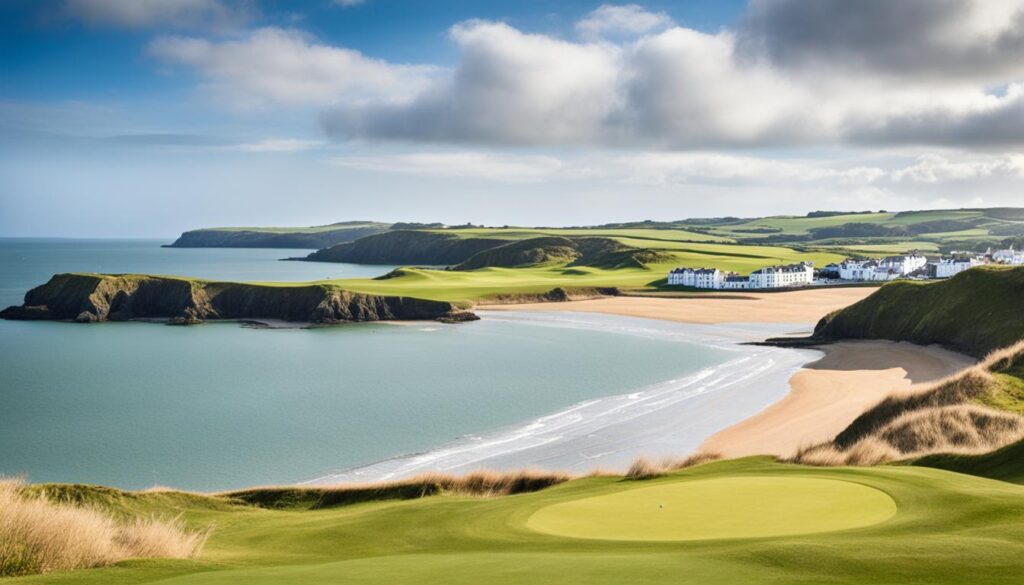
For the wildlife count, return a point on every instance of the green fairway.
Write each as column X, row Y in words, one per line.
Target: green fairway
column 948, row 528
column 731, row 507
column 473, row 285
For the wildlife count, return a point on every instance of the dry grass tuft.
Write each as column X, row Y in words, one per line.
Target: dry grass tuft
column 643, row 468
column 943, row 418
column 39, row 536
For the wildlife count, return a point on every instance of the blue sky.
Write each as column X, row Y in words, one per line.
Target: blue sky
column 146, row 118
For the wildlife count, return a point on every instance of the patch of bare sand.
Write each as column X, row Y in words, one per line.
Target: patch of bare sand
column 827, row 395
column 804, row 306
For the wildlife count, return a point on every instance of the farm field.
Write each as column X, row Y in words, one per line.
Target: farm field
column 946, row 524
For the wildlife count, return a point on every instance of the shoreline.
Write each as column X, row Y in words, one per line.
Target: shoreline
column 823, row 396
column 666, row 419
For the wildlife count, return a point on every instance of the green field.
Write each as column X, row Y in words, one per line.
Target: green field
column 654, row 236
column 947, row 528
column 473, row 285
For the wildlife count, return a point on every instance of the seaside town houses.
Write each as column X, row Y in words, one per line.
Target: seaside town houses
column 1010, row 256
column 791, row 275
column 911, row 265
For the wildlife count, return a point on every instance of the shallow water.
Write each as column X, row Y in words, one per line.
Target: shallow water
column 220, row 406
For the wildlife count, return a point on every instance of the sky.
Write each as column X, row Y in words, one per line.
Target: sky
column 144, row 118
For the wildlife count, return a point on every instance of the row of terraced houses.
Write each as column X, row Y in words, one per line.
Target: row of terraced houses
column 912, row 265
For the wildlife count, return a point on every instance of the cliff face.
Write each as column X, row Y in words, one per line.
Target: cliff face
column 90, row 298
column 223, row 238
column 975, row 312
column 407, row 247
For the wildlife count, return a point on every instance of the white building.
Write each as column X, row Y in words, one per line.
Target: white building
column 770, row 277
column 889, row 268
column 947, row 267
column 1010, row 256
column 783, row 276
column 696, row 277
column 904, row 264
column 736, row 282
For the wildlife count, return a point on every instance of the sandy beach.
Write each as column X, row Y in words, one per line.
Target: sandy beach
column 804, row 306
column 829, row 394
column 824, row 396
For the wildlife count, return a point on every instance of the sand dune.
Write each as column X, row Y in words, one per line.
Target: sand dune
column 805, row 306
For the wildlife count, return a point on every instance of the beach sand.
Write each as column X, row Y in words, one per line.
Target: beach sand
column 804, row 306
column 827, row 395
column 824, row 396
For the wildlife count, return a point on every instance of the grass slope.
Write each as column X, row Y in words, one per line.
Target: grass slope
column 948, row 528
column 485, row 283
column 975, row 312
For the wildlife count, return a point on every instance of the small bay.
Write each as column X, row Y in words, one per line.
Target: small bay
column 219, row 406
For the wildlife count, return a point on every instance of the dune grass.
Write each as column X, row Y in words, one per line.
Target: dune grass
column 38, row 535
column 948, row 528
column 972, row 412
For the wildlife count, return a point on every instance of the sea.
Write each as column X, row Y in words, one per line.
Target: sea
column 222, row 406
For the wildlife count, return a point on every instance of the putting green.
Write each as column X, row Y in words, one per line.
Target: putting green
column 734, row 507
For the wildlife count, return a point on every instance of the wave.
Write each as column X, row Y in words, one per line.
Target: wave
column 670, row 417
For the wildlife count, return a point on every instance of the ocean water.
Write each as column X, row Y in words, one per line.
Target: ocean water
column 28, row 262
column 220, row 406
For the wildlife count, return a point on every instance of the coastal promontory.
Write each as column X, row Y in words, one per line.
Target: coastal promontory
column 88, row 298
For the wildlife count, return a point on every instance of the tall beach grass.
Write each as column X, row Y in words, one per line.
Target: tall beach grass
column 40, row 536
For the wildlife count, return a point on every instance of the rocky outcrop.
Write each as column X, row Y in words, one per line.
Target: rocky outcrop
column 277, row 238
column 89, row 298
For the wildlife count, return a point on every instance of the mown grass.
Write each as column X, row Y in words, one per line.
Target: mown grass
column 948, row 528
column 484, row 283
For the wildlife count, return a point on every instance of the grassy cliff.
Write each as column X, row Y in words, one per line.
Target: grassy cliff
column 975, row 312
column 261, row 237
column 407, row 247
column 102, row 297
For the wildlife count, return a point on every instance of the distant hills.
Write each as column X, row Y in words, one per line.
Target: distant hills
column 864, row 231
column 316, row 237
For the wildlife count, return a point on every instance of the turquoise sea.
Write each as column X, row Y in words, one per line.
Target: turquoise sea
column 219, row 406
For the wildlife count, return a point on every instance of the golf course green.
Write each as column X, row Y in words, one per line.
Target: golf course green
column 731, row 507
column 948, row 528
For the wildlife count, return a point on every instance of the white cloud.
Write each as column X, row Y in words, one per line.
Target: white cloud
column 926, row 173
column 276, row 145
column 154, row 13
column 680, row 89
column 629, row 19
column 349, row 3
column 509, row 87
column 287, row 67
column 483, row 165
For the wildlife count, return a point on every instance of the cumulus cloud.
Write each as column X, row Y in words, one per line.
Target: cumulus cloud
column 278, row 66
column 154, row 13
column 790, row 73
column 630, row 19
column 676, row 89
column 939, row 39
column 509, row 87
